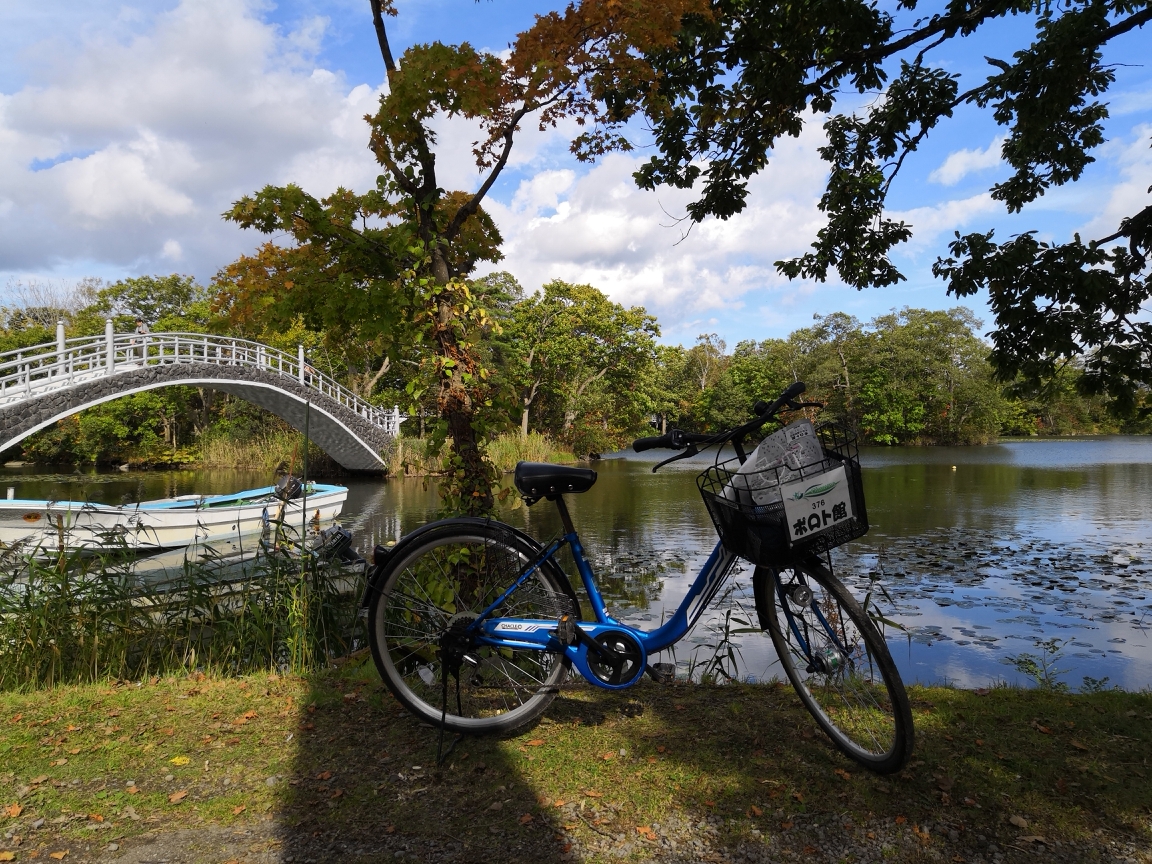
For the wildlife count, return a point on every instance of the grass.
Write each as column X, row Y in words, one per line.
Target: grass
column 332, row 762
column 412, row 456
column 263, row 452
column 74, row 619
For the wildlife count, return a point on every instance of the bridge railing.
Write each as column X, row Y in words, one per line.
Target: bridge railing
column 29, row 373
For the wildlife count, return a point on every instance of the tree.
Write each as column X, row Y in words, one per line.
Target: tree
column 581, row 357
column 748, row 72
column 394, row 261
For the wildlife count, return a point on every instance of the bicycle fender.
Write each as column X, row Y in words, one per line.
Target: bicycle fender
column 379, row 572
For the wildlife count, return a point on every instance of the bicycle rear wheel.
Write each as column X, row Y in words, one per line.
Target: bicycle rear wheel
column 839, row 664
column 440, row 582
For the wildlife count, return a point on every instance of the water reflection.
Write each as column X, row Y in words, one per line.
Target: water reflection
column 982, row 549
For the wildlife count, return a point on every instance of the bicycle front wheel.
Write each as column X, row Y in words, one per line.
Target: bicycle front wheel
column 839, row 664
column 443, row 581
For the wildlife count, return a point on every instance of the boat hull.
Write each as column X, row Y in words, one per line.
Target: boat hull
column 44, row 526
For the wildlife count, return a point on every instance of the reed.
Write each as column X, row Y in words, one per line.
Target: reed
column 76, row 619
column 263, row 452
column 512, row 447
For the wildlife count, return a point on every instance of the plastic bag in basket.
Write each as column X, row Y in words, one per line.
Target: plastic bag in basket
column 777, row 460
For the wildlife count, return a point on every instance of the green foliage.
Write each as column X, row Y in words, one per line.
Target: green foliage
column 581, row 365
column 1041, row 668
column 749, row 72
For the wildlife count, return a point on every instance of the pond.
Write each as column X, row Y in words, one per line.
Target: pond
column 984, row 551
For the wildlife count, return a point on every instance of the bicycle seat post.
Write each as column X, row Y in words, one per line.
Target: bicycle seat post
column 565, row 519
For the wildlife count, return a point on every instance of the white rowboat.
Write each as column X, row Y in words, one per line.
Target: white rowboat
column 168, row 523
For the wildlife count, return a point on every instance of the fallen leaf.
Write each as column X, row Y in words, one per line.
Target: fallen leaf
column 709, row 803
column 558, row 803
column 168, row 731
column 60, row 762
column 842, row 774
column 1042, row 729
column 755, row 811
column 324, row 775
column 389, row 829
column 74, row 751
column 651, row 758
column 13, row 810
column 661, row 748
column 1078, row 745
column 646, row 831
column 969, row 802
column 526, row 818
column 979, row 742
column 43, row 778
column 249, row 715
column 535, row 742
column 59, row 856
column 179, row 760
column 571, row 827
column 95, row 817
column 336, row 793
column 900, row 820
column 810, row 850
column 238, row 809
column 177, row 797
column 608, row 756
column 945, row 784
column 784, row 826
column 7, row 856
column 1018, row 821
column 1032, row 838
column 496, row 805
column 132, row 790
column 592, row 794
column 798, row 795
column 17, row 718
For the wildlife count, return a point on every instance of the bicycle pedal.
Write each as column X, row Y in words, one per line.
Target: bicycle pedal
column 662, row 673
column 566, row 630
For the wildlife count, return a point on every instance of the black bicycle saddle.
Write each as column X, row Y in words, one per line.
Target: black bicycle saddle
column 540, row 480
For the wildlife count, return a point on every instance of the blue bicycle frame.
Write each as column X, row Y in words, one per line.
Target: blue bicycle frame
column 541, row 635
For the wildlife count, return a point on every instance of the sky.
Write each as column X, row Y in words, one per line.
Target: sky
column 127, row 129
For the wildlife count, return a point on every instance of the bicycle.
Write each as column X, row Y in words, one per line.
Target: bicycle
column 474, row 626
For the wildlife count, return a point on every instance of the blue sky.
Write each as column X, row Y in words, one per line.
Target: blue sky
column 125, row 130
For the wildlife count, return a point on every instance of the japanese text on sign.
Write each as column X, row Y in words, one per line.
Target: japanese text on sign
column 817, row 503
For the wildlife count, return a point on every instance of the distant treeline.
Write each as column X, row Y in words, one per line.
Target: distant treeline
column 570, row 364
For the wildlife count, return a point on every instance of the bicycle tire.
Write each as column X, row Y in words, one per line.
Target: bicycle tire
column 446, row 574
column 839, row 687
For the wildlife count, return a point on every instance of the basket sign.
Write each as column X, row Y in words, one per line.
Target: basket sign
column 817, row 503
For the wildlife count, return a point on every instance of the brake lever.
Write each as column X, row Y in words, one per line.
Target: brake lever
column 690, row 450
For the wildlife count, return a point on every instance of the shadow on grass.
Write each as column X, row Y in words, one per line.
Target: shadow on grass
column 365, row 785
column 692, row 773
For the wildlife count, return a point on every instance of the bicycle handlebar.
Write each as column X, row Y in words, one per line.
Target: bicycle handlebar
column 676, row 439
column 642, row 444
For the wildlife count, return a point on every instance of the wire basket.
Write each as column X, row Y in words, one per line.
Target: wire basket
column 825, row 508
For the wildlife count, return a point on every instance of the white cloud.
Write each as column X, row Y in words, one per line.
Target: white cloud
column 961, row 163
column 929, row 222
column 1129, row 196
column 139, row 137
column 601, row 229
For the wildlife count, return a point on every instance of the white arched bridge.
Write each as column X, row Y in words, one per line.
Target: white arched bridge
column 45, row 383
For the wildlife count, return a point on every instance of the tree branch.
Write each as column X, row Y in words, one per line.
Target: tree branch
column 382, row 36
column 473, row 204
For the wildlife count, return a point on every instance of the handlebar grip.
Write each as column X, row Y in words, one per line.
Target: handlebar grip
column 642, row 444
column 793, row 391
